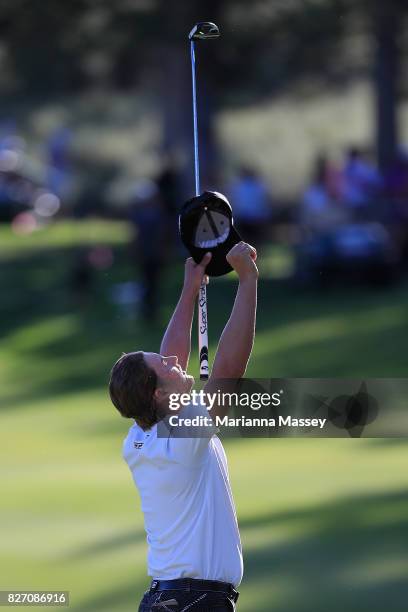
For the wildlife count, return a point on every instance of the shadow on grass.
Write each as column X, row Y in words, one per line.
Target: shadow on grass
column 385, row 443
column 110, row 544
column 123, row 598
column 348, row 554
column 339, row 557
column 75, row 361
column 35, row 286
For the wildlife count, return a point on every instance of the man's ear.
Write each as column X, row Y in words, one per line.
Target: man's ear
column 160, row 395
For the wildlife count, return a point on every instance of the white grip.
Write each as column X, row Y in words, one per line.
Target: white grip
column 203, row 332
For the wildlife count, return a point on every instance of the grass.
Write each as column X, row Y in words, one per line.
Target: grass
column 323, row 522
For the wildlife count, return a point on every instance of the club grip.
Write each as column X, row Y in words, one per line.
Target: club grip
column 203, row 332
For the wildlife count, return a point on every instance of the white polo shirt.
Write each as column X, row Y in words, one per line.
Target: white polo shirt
column 186, row 499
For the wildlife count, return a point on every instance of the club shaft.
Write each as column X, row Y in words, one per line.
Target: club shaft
column 195, row 120
column 202, row 298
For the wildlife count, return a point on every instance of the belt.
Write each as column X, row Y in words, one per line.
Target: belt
column 193, row 584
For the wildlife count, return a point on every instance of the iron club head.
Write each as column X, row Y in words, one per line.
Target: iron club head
column 203, row 30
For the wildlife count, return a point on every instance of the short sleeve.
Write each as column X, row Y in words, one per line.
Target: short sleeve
column 189, row 432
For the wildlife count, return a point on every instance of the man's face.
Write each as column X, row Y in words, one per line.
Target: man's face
column 171, row 378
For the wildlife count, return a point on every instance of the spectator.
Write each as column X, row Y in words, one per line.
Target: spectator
column 59, row 172
column 147, row 215
column 320, row 211
column 361, row 180
column 251, row 203
column 396, row 179
column 396, row 189
column 169, row 187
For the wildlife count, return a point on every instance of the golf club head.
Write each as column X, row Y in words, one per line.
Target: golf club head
column 203, row 30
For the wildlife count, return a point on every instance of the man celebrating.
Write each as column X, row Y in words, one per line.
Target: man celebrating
column 194, row 547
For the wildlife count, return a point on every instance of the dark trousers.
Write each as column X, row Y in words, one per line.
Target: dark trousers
column 186, row 600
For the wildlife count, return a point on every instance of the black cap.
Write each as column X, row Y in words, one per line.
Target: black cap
column 206, row 226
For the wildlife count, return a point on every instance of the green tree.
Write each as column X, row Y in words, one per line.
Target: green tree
column 50, row 47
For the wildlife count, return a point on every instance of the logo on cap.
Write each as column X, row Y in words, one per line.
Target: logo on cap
column 206, row 224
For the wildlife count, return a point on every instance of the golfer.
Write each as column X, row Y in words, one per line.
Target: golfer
column 194, row 547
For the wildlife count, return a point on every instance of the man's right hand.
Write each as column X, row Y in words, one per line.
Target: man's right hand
column 242, row 258
column 194, row 273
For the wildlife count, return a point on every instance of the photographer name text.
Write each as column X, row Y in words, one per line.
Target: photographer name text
column 226, row 421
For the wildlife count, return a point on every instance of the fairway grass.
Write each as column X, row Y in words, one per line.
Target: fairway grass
column 324, row 522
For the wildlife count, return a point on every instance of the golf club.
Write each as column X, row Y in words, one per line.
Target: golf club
column 201, row 31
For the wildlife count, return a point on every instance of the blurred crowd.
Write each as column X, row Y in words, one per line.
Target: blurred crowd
column 356, row 189
column 351, row 219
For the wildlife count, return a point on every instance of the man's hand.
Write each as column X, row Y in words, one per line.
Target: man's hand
column 235, row 346
column 177, row 339
column 242, row 258
column 194, row 274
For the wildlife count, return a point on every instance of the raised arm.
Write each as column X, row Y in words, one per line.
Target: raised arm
column 177, row 338
column 235, row 345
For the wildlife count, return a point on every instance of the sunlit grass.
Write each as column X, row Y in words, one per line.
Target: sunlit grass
column 323, row 522
column 69, row 233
